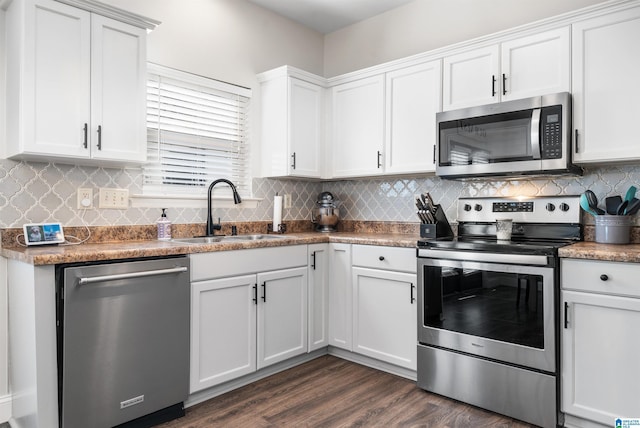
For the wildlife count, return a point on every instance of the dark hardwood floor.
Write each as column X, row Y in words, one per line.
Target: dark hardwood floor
column 332, row 392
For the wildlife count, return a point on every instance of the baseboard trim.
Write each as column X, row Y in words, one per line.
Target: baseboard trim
column 373, row 363
column 207, row 394
column 5, row 408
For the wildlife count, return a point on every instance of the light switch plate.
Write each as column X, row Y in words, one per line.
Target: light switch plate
column 113, row 198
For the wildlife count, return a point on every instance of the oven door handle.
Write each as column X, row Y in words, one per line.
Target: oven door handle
column 535, row 133
column 525, row 259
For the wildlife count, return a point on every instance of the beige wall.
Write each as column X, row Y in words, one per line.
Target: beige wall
column 423, row 25
column 229, row 40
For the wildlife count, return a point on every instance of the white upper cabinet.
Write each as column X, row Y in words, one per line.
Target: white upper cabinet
column 357, row 121
column 291, row 123
column 118, row 91
column 413, row 97
column 524, row 67
column 606, row 87
column 76, row 85
column 470, row 78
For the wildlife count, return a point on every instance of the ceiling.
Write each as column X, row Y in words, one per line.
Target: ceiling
column 326, row 16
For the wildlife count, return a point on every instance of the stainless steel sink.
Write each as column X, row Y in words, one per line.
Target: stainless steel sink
column 254, row 237
column 230, row 238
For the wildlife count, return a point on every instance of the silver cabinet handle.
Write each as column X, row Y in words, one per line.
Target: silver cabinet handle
column 114, row 277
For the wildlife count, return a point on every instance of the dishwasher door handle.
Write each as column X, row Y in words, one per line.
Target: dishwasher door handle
column 114, row 277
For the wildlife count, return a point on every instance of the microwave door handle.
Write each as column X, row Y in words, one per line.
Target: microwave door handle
column 535, row 133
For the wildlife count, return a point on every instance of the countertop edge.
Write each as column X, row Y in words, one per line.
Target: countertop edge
column 604, row 252
column 154, row 248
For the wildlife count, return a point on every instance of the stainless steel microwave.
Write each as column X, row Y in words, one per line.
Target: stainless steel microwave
column 512, row 138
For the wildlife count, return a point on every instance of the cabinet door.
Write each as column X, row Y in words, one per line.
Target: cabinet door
column 600, row 370
column 412, row 101
column 606, row 88
column 52, row 85
column 384, row 316
column 318, row 296
column 223, row 330
column 305, row 129
column 340, row 296
column 282, row 315
column 471, row 78
column 536, row 65
column 358, row 127
column 118, row 91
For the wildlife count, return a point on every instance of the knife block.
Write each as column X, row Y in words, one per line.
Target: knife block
column 441, row 229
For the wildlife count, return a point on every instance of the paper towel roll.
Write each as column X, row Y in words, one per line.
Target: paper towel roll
column 277, row 212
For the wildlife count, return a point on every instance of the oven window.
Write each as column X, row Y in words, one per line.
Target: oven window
column 497, row 305
column 489, row 139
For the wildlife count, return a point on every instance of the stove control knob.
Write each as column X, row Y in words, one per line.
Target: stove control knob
column 478, row 207
column 564, row 207
column 467, row 207
column 551, row 207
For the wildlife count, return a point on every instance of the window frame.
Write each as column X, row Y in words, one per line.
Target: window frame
column 153, row 195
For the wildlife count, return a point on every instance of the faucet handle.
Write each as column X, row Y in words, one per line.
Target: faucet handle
column 217, row 226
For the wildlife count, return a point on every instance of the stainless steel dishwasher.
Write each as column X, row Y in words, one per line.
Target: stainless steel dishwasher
column 123, row 342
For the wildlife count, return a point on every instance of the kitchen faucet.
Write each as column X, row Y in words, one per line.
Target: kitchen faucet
column 211, row 227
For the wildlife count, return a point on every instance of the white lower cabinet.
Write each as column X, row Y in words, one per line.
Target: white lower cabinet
column 340, row 296
column 241, row 320
column 318, row 296
column 223, row 330
column 282, row 315
column 601, row 319
column 384, row 316
column 384, row 304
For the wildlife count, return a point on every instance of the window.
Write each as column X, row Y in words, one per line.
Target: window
column 197, row 131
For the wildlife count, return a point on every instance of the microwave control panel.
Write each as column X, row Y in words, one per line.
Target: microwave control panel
column 551, row 132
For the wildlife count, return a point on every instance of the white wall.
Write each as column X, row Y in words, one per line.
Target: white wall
column 423, row 25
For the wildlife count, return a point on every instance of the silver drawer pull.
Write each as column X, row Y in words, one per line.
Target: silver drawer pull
column 114, row 277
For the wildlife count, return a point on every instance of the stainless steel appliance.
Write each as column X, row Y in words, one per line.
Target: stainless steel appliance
column 488, row 310
column 512, row 138
column 123, row 342
column 325, row 215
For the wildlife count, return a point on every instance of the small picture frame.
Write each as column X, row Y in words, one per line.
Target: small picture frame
column 43, row 233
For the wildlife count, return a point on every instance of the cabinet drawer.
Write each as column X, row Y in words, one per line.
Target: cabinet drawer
column 220, row 264
column 601, row 277
column 388, row 258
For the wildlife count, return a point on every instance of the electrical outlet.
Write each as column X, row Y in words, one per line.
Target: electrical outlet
column 114, row 198
column 84, row 198
column 286, row 201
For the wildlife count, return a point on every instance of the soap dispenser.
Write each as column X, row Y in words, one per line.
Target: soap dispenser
column 164, row 226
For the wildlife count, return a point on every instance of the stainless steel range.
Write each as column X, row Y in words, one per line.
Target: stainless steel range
column 488, row 310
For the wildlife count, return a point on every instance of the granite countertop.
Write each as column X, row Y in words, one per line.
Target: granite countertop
column 152, row 248
column 606, row 252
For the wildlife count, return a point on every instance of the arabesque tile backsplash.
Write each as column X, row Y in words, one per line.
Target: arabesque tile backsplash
column 40, row 192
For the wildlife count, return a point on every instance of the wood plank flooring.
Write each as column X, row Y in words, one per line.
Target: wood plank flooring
column 332, row 392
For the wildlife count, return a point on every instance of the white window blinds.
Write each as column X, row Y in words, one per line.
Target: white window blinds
column 197, row 131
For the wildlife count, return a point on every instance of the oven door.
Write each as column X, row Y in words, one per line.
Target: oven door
column 504, row 312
